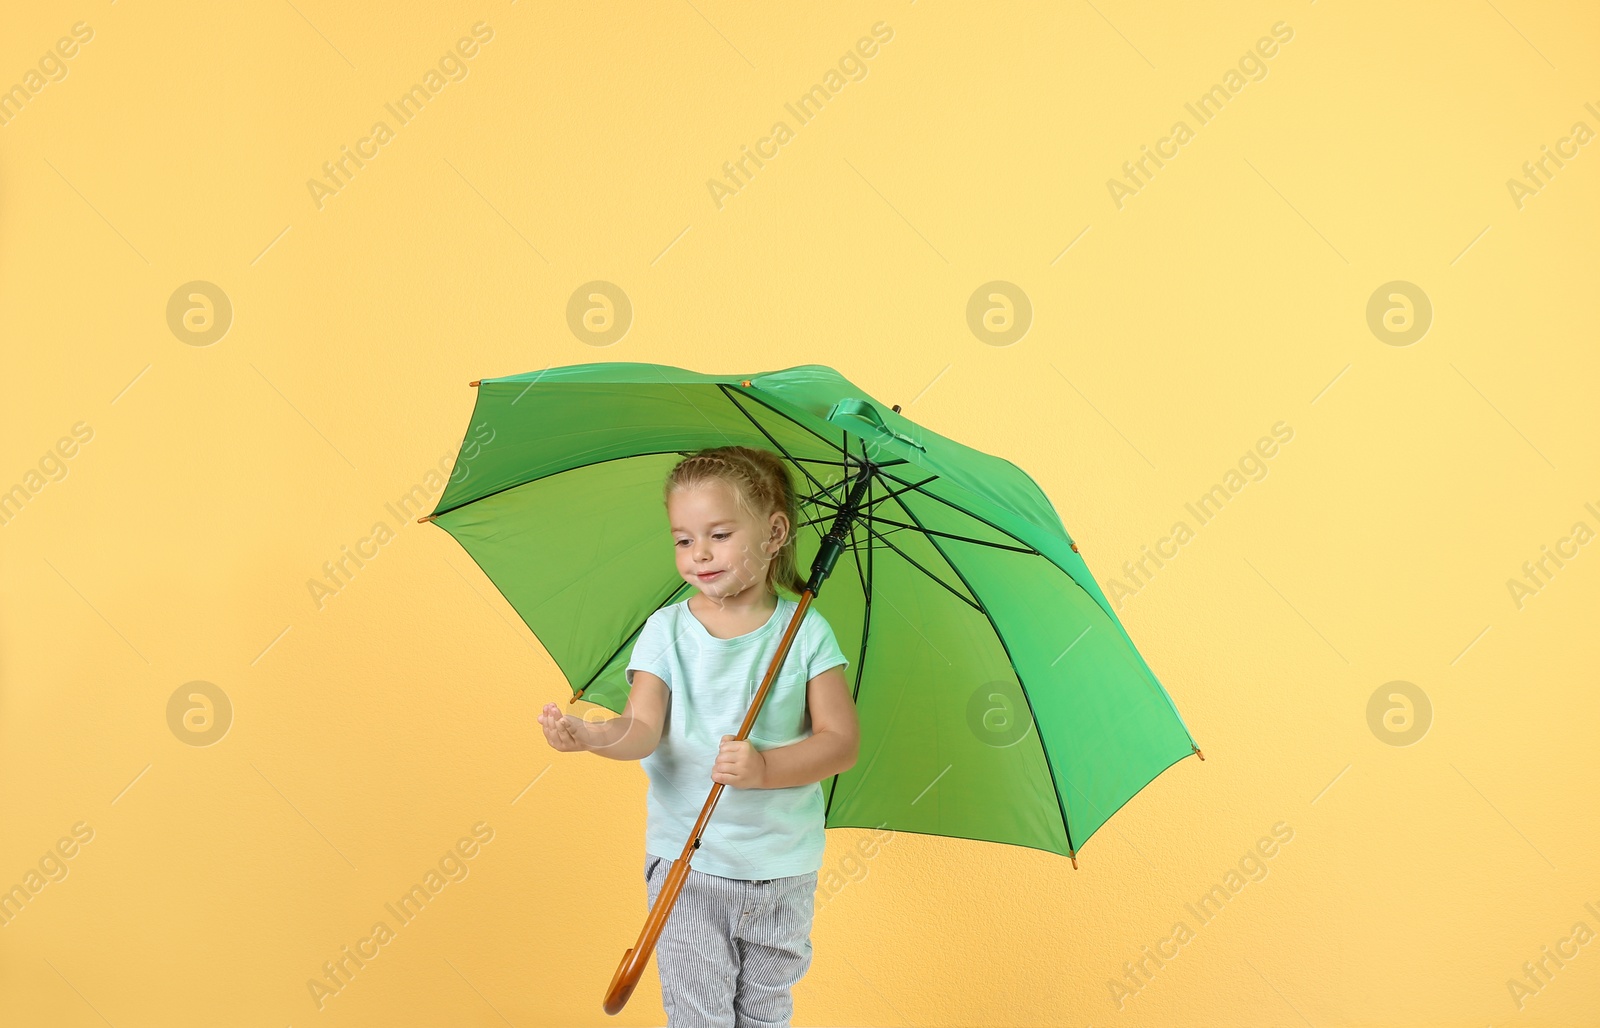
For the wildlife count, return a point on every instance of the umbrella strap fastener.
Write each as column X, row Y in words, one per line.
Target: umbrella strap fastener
column 867, row 412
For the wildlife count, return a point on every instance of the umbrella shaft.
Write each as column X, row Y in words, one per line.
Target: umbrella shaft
column 833, row 542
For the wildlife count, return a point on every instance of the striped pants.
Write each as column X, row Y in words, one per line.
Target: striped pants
column 732, row 949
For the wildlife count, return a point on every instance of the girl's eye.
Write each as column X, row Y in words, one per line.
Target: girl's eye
column 715, row 535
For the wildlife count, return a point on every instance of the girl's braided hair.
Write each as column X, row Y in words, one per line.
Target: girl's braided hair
column 761, row 484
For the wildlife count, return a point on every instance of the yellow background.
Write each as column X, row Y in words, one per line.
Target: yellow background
column 371, row 732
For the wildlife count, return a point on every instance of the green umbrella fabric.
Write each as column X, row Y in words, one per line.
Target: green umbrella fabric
column 999, row 696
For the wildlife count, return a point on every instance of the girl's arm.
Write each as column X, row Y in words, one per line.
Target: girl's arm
column 635, row 732
column 834, row 742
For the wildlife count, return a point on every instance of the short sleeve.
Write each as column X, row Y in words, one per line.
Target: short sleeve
column 825, row 652
column 651, row 651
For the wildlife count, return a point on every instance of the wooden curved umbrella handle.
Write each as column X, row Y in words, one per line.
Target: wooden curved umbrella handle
column 631, row 969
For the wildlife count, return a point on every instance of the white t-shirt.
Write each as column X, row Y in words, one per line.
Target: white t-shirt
column 754, row 833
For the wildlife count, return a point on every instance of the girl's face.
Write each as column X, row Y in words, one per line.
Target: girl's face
column 721, row 548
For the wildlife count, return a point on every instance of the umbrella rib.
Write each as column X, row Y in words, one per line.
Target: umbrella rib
column 915, row 563
column 866, row 628
column 679, row 588
column 843, row 450
column 961, row 538
column 552, row 474
column 751, row 418
column 1110, row 615
column 917, row 486
column 788, row 418
column 825, row 490
column 892, row 493
column 627, row 456
column 835, row 464
column 1044, row 750
column 1135, row 792
column 898, row 527
column 814, row 498
column 865, row 578
column 843, row 482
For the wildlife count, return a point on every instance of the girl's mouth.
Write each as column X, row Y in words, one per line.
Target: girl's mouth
column 708, row 576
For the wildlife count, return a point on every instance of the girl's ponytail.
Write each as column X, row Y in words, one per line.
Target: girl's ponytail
column 783, row 571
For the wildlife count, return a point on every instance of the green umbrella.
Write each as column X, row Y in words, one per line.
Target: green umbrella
column 999, row 697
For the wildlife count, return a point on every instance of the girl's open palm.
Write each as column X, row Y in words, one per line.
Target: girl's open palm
column 561, row 730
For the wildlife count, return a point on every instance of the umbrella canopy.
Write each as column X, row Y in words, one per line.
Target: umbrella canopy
column 999, row 697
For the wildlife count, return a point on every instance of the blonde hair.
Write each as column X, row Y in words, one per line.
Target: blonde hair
column 762, row 486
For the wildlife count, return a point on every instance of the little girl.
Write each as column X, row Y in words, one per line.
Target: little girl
column 739, row 936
